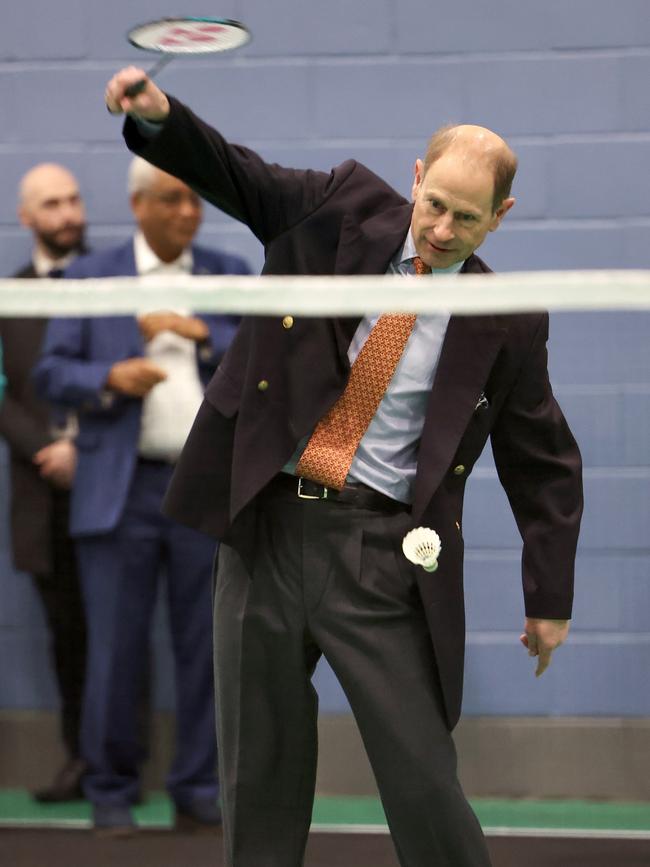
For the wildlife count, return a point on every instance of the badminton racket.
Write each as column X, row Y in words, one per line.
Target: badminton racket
column 172, row 37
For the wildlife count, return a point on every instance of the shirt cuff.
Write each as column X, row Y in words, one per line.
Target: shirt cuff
column 147, row 128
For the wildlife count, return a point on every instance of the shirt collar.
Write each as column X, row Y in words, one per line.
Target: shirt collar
column 146, row 261
column 43, row 263
column 404, row 260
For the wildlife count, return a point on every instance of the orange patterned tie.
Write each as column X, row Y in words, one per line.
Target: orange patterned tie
column 331, row 448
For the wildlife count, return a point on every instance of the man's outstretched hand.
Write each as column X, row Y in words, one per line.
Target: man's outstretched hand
column 541, row 637
column 150, row 104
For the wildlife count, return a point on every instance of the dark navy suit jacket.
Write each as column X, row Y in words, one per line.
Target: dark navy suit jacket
column 351, row 222
column 76, row 358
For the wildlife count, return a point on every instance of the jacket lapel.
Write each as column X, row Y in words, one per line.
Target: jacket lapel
column 124, row 262
column 200, row 264
column 468, row 352
column 367, row 248
column 124, row 266
column 470, row 346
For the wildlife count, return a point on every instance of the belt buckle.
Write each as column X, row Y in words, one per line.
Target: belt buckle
column 310, row 496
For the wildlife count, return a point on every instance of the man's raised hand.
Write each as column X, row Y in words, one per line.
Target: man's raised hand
column 150, row 104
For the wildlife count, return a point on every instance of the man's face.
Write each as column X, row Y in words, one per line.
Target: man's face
column 169, row 215
column 55, row 213
column 453, row 212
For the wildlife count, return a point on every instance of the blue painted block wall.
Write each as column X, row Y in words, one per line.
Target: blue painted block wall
column 567, row 84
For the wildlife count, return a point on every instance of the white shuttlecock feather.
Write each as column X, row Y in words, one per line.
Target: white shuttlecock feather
column 422, row 547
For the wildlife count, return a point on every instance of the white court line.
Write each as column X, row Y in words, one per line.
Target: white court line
column 502, row 831
column 328, row 296
column 63, row 824
column 317, row 828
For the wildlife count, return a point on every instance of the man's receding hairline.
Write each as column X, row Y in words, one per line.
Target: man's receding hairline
column 29, row 184
column 493, row 152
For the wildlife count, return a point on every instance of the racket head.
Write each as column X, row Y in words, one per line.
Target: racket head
column 189, row 35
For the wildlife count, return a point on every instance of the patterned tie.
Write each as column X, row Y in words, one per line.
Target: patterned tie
column 331, row 448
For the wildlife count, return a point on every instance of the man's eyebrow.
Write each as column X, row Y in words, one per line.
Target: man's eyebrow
column 432, row 195
column 51, row 200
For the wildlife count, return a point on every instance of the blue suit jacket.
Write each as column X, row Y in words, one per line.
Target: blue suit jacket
column 76, row 358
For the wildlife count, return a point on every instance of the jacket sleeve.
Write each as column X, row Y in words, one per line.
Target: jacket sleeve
column 21, row 430
column 269, row 199
column 64, row 376
column 539, row 466
column 24, row 433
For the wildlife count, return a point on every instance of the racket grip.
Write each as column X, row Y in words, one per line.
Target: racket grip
column 136, row 88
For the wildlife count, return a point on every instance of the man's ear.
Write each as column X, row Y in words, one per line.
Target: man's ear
column 134, row 201
column 418, row 177
column 500, row 213
column 24, row 217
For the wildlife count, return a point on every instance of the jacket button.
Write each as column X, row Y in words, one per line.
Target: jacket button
column 262, row 385
column 459, row 470
column 287, row 322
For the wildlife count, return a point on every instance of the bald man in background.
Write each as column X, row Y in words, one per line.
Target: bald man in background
column 43, row 458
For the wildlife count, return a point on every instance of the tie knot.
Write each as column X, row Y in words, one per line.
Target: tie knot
column 420, row 266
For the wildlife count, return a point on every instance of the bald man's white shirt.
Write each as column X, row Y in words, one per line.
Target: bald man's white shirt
column 43, row 263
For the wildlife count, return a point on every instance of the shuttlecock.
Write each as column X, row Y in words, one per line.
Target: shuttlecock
column 422, row 547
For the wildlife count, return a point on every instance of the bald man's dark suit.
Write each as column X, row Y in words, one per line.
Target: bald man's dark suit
column 351, row 222
column 39, row 517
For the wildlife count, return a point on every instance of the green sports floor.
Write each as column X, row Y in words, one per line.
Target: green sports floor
column 497, row 816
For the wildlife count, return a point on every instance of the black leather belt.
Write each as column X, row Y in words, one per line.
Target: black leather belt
column 353, row 494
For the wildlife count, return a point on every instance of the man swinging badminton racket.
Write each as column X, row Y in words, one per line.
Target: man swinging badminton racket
column 321, row 442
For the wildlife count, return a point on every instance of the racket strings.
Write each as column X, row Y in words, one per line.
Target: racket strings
column 187, row 36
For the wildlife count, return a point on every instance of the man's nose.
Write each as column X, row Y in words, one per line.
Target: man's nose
column 189, row 209
column 444, row 228
column 71, row 212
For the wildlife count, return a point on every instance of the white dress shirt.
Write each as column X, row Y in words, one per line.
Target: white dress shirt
column 169, row 409
column 43, row 263
column 386, row 458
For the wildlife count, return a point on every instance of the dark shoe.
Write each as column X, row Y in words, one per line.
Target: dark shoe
column 113, row 820
column 199, row 815
column 66, row 785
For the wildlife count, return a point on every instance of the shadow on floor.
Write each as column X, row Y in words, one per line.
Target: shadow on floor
column 59, row 848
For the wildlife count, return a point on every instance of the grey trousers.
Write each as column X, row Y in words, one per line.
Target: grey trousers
column 301, row 578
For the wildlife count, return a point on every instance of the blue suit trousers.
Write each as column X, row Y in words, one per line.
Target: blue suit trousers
column 120, row 573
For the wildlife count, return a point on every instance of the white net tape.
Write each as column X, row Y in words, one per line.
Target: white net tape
column 329, row 296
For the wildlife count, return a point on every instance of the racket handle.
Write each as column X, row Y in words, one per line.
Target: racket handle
column 135, row 88
column 138, row 86
column 131, row 91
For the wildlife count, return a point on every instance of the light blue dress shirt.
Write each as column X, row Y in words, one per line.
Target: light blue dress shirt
column 386, row 458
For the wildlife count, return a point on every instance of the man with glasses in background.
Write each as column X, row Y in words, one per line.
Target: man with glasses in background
column 137, row 384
